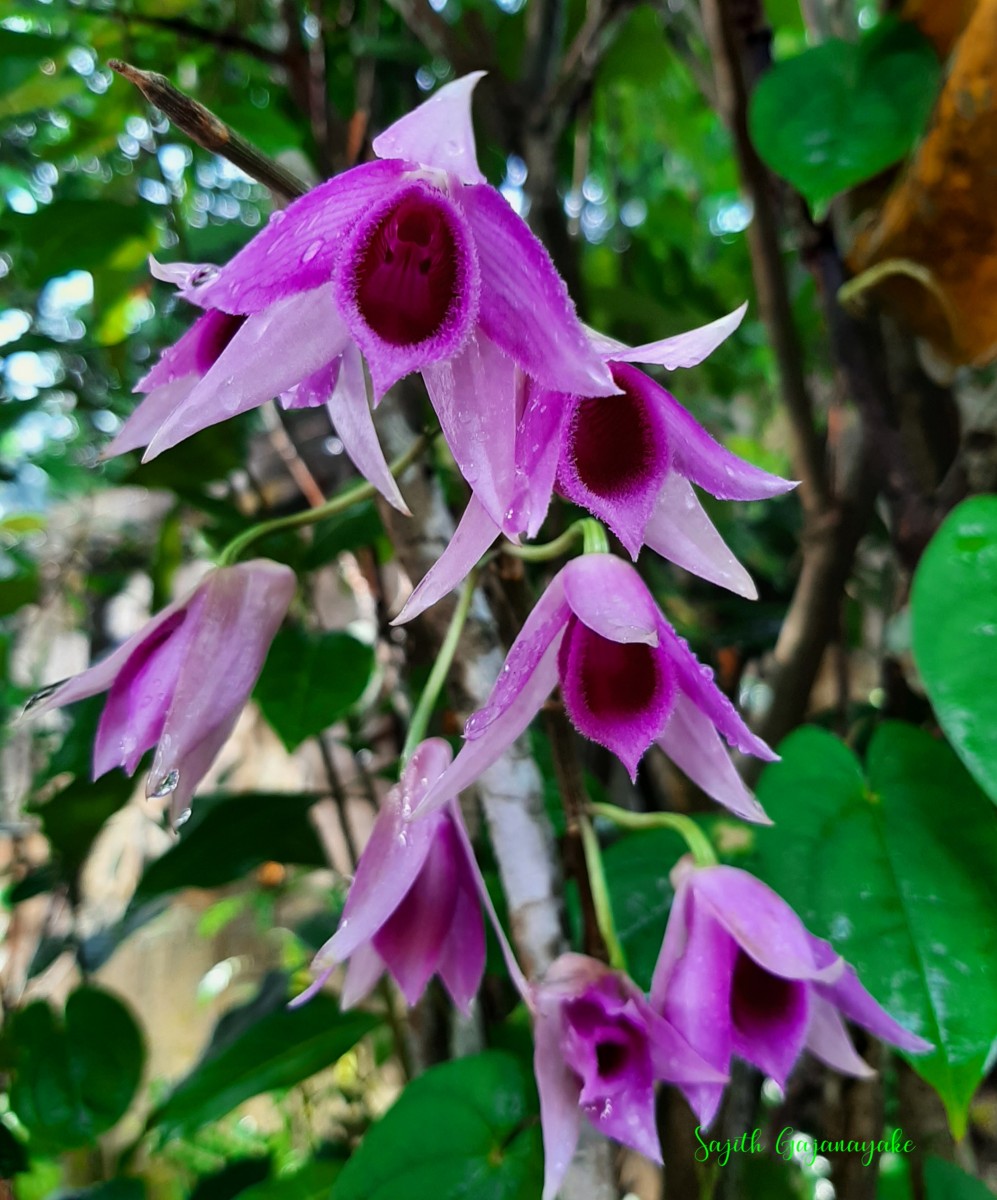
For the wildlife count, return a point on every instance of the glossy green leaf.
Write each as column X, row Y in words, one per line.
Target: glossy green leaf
column 896, row 868
column 841, row 112
column 74, row 817
column 310, row 681
column 279, row 1050
column 74, row 1080
column 464, row 1129
column 954, row 620
column 312, row 1182
column 945, row 1181
column 229, row 836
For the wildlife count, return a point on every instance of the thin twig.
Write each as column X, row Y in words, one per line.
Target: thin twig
column 204, row 128
column 184, row 27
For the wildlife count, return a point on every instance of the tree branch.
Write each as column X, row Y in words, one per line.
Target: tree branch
column 184, row 27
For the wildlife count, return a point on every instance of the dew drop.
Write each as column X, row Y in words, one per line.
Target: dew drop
column 182, row 819
column 311, row 251
column 165, row 787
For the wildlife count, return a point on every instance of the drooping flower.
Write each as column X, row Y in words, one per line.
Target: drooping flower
column 630, row 459
column 599, row 1048
column 739, row 975
column 627, row 680
column 413, row 908
column 420, row 265
column 180, row 683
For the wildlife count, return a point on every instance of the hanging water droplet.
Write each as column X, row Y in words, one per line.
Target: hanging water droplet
column 182, row 819
column 38, row 697
column 165, row 787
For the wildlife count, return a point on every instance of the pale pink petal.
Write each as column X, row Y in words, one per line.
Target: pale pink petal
column 272, row 351
column 474, row 395
column 606, row 594
column 525, row 307
column 696, row 680
column 683, row 349
column 828, row 1040
column 538, row 446
column 364, row 970
column 299, row 246
column 314, row 389
column 680, row 531
column 521, row 706
column 182, row 274
column 394, row 855
column 350, row 413
column 193, row 353
column 438, row 133
column 559, row 1088
column 150, row 415
column 472, row 537
column 407, row 282
column 693, row 744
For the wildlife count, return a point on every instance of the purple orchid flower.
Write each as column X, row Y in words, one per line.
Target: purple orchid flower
column 739, row 974
column 414, row 907
column 599, row 1047
column 180, row 683
column 629, row 458
column 627, row 679
column 416, row 263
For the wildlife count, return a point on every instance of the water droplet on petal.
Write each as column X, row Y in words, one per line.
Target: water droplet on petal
column 165, row 787
column 203, row 275
column 311, row 251
column 182, row 819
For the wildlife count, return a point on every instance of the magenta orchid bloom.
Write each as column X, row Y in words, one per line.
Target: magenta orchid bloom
column 630, row 459
column 416, row 263
column 414, row 907
column 599, row 1047
column 627, row 679
column 180, row 683
column 739, row 974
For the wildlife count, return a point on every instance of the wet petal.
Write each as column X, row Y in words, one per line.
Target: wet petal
column 272, row 352
column 300, row 245
column 150, row 415
column 462, row 962
column 538, row 441
column 195, row 352
column 684, row 349
column 314, row 389
column 559, row 1088
column 693, row 744
column 608, row 596
column 696, row 681
column 438, row 133
column 407, row 282
column 828, row 1040
column 680, row 531
column 525, row 307
column 181, row 274
column 472, row 537
column 350, row 413
column 394, row 855
column 769, row 1018
column 617, row 694
column 365, row 968
column 474, row 395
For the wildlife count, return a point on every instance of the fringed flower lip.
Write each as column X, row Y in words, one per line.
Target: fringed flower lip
column 630, row 458
column 422, row 266
column 180, row 683
column 599, row 1048
column 740, row 976
column 627, row 679
column 413, row 908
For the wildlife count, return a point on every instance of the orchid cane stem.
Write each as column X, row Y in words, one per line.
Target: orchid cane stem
column 600, row 895
column 338, row 504
column 699, row 844
column 427, row 701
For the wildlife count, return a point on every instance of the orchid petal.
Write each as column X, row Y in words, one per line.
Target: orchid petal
column 683, row 349
column 473, row 394
column 181, row 274
column 314, row 389
column 438, row 133
column 194, row 353
column 365, row 968
column 854, row 1002
column 828, row 1040
column 150, row 415
column 701, row 458
column 394, row 855
column 633, row 1124
column 472, row 537
column 271, row 352
column 525, row 307
column 239, row 611
column 696, row 681
column 769, row 1018
column 538, row 447
column 680, row 531
column 350, row 412
column 297, row 250
column 560, row 1117
column 672, row 1058
column 462, row 961
column 693, row 744
column 522, row 705
column 608, row 596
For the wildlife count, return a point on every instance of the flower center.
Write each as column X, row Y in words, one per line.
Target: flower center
column 612, row 444
column 617, row 678
column 759, row 999
column 218, row 330
column 408, row 271
column 611, row 1058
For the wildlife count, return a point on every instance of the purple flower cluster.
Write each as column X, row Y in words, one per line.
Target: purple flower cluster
column 413, row 263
